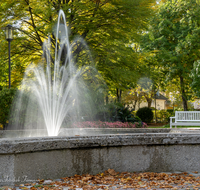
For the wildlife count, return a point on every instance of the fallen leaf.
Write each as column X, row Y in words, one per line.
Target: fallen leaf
column 86, row 178
column 112, row 172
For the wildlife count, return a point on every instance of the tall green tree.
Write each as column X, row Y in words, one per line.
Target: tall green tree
column 151, row 76
column 196, row 78
column 174, row 37
column 106, row 25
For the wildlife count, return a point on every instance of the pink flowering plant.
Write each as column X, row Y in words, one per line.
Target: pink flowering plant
column 102, row 124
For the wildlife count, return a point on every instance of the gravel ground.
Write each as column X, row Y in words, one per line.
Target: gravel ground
column 111, row 180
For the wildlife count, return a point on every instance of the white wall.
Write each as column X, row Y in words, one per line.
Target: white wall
column 160, row 104
column 197, row 104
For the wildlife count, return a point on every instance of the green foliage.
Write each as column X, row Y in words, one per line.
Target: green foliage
column 117, row 112
column 163, row 116
column 107, row 27
column 18, row 114
column 174, row 39
column 125, row 115
column 167, row 126
column 145, row 114
column 171, row 112
column 108, row 112
column 6, row 98
column 195, row 75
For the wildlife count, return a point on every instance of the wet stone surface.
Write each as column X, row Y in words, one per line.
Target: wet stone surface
column 112, row 180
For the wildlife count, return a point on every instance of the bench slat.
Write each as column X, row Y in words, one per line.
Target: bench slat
column 187, row 124
column 186, row 118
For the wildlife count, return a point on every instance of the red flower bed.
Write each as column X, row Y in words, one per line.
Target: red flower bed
column 101, row 124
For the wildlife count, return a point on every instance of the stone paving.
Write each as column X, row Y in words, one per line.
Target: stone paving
column 111, row 180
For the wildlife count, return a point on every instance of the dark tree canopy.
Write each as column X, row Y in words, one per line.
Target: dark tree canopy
column 106, row 25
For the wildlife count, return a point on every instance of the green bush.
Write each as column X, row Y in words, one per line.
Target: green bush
column 125, row 115
column 162, row 116
column 145, row 114
column 6, row 98
column 117, row 112
column 166, row 114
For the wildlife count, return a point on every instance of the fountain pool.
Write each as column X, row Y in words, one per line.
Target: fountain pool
column 24, row 160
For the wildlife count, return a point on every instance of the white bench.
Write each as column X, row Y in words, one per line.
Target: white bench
column 185, row 118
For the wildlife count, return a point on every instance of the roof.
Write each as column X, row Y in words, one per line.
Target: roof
column 160, row 97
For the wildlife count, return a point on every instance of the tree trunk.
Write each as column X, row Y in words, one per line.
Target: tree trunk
column 107, row 100
column 149, row 100
column 134, row 104
column 119, row 94
column 149, row 103
column 184, row 97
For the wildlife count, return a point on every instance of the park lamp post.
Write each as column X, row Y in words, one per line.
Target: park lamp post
column 156, row 95
column 9, row 37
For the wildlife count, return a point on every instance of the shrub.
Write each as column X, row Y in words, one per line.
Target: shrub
column 164, row 115
column 108, row 113
column 145, row 114
column 119, row 113
column 125, row 115
column 6, row 98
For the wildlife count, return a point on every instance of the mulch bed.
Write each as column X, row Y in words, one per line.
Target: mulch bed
column 156, row 124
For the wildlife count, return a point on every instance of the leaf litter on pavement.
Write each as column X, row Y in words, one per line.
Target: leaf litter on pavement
column 112, row 180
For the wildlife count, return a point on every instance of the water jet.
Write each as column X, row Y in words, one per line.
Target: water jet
column 59, row 90
column 78, row 151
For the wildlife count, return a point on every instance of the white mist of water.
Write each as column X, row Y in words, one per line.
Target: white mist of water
column 55, row 93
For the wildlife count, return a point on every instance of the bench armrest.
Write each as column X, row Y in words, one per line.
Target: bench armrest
column 171, row 121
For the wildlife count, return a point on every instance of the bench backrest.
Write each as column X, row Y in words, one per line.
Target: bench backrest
column 187, row 115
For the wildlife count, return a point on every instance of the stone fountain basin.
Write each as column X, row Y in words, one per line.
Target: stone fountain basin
column 95, row 131
column 82, row 131
column 25, row 160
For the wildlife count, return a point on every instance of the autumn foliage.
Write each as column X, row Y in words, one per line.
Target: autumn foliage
column 111, row 179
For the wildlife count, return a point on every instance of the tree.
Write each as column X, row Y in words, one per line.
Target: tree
column 196, row 78
column 6, row 97
column 132, row 97
column 151, row 75
column 106, row 26
column 174, row 37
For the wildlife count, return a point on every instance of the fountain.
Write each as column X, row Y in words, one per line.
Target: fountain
column 54, row 93
column 41, row 105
